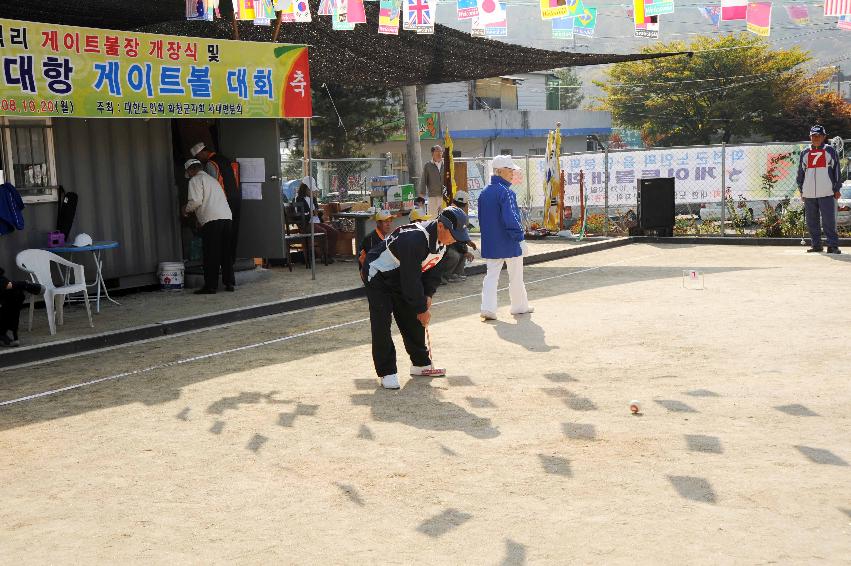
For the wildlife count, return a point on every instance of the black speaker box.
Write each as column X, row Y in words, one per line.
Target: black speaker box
column 656, row 205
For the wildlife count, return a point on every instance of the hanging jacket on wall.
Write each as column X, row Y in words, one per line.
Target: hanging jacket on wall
column 11, row 206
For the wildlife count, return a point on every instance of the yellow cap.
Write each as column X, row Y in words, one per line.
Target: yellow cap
column 383, row 215
column 417, row 215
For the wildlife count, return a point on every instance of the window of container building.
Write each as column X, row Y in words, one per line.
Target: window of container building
column 494, row 94
column 552, row 90
column 28, row 158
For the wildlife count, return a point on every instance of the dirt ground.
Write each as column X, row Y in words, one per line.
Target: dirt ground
column 269, row 441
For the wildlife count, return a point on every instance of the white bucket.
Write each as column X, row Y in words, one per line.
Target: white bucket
column 171, row 276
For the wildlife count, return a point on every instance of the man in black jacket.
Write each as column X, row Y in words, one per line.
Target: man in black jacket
column 400, row 283
column 226, row 172
column 11, row 301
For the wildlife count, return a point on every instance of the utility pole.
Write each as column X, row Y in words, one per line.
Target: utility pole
column 412, row 134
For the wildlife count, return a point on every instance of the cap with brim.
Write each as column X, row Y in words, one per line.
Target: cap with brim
column 454, row 218
column 504, row 162
column 383, row 215
column 189, row 163
column 197, row 148
column 417, row 215
column 462, row 197
column 818, row 130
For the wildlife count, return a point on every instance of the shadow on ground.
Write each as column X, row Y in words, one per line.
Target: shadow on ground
column 418, row 405
column 156, row 384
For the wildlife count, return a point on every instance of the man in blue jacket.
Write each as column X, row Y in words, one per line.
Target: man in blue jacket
column 503, row 240
column 819, row 181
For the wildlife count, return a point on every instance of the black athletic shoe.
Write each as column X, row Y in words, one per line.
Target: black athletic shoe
column 203, row 291
column 230, row 289
column 815, row 250
column 5, row 341
column 833, row 250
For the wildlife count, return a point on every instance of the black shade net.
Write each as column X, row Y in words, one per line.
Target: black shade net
column 361, row 56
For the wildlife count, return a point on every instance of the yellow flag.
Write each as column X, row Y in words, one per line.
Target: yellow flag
column 638, row 11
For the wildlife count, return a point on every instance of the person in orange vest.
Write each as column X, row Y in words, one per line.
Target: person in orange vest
column 383, row 226
column 226, row 172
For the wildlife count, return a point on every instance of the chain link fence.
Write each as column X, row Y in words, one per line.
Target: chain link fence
column 743, row 189
column 339, row 179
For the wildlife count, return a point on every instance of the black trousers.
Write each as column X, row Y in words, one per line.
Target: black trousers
column 235, row 205
column 384, row 304
column 11, row 302
column 216, row 237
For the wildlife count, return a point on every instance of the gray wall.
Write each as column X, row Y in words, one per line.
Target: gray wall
column 123, row 172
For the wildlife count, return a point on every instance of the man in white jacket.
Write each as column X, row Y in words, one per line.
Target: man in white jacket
column 819, row 181
column 208, row 201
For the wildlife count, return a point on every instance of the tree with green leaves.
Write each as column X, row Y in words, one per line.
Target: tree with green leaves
column 569, row 87
column 347, row 119
column 727, row 87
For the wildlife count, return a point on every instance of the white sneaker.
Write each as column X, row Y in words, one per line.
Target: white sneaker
column 427, row 371
column 528, row 310
column 390, row 381
column 487, row 316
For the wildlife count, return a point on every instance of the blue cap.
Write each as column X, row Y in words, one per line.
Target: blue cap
column 454, row 218
column 818, row 130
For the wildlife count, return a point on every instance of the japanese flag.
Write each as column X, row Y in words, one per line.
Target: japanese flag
column 490, row 12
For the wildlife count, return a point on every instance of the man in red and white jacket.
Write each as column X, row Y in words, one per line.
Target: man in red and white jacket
column 819, row 181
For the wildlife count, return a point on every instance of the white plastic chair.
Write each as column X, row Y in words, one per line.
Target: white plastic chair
column 37, row 264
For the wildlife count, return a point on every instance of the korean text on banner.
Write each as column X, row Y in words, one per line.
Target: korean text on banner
column 697, row 172
column 759, row 18
column 52, row 70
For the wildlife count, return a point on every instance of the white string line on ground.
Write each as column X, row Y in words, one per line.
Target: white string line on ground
column 278, row 340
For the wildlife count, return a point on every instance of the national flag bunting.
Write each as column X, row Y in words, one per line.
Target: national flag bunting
column 388, row 17
column 759, row 18
column 586, row 22
column 734, row 10
column 563, row 28
column 711, row 13
column 798, row 13
column 467, row 9
column 837, row 7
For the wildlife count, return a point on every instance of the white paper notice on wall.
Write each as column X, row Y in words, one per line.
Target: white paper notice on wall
column 252, row 191
column 252, row 169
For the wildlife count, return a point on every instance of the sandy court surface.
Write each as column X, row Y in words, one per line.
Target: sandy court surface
column 288, row 452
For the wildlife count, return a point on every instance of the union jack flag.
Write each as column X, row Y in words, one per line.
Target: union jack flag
column 419, row 13
column 837, row 7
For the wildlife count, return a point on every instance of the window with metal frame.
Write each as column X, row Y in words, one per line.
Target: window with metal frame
column 28, row 158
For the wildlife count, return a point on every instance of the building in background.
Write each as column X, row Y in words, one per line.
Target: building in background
column 500, row 115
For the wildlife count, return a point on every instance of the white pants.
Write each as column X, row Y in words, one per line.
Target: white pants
column 435, row 205
column 516, row 288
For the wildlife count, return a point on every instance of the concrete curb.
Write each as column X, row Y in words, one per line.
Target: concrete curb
column 728, row 240
column 45, row 352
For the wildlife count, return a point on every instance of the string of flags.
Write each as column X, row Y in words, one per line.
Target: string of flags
column 489, row 18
